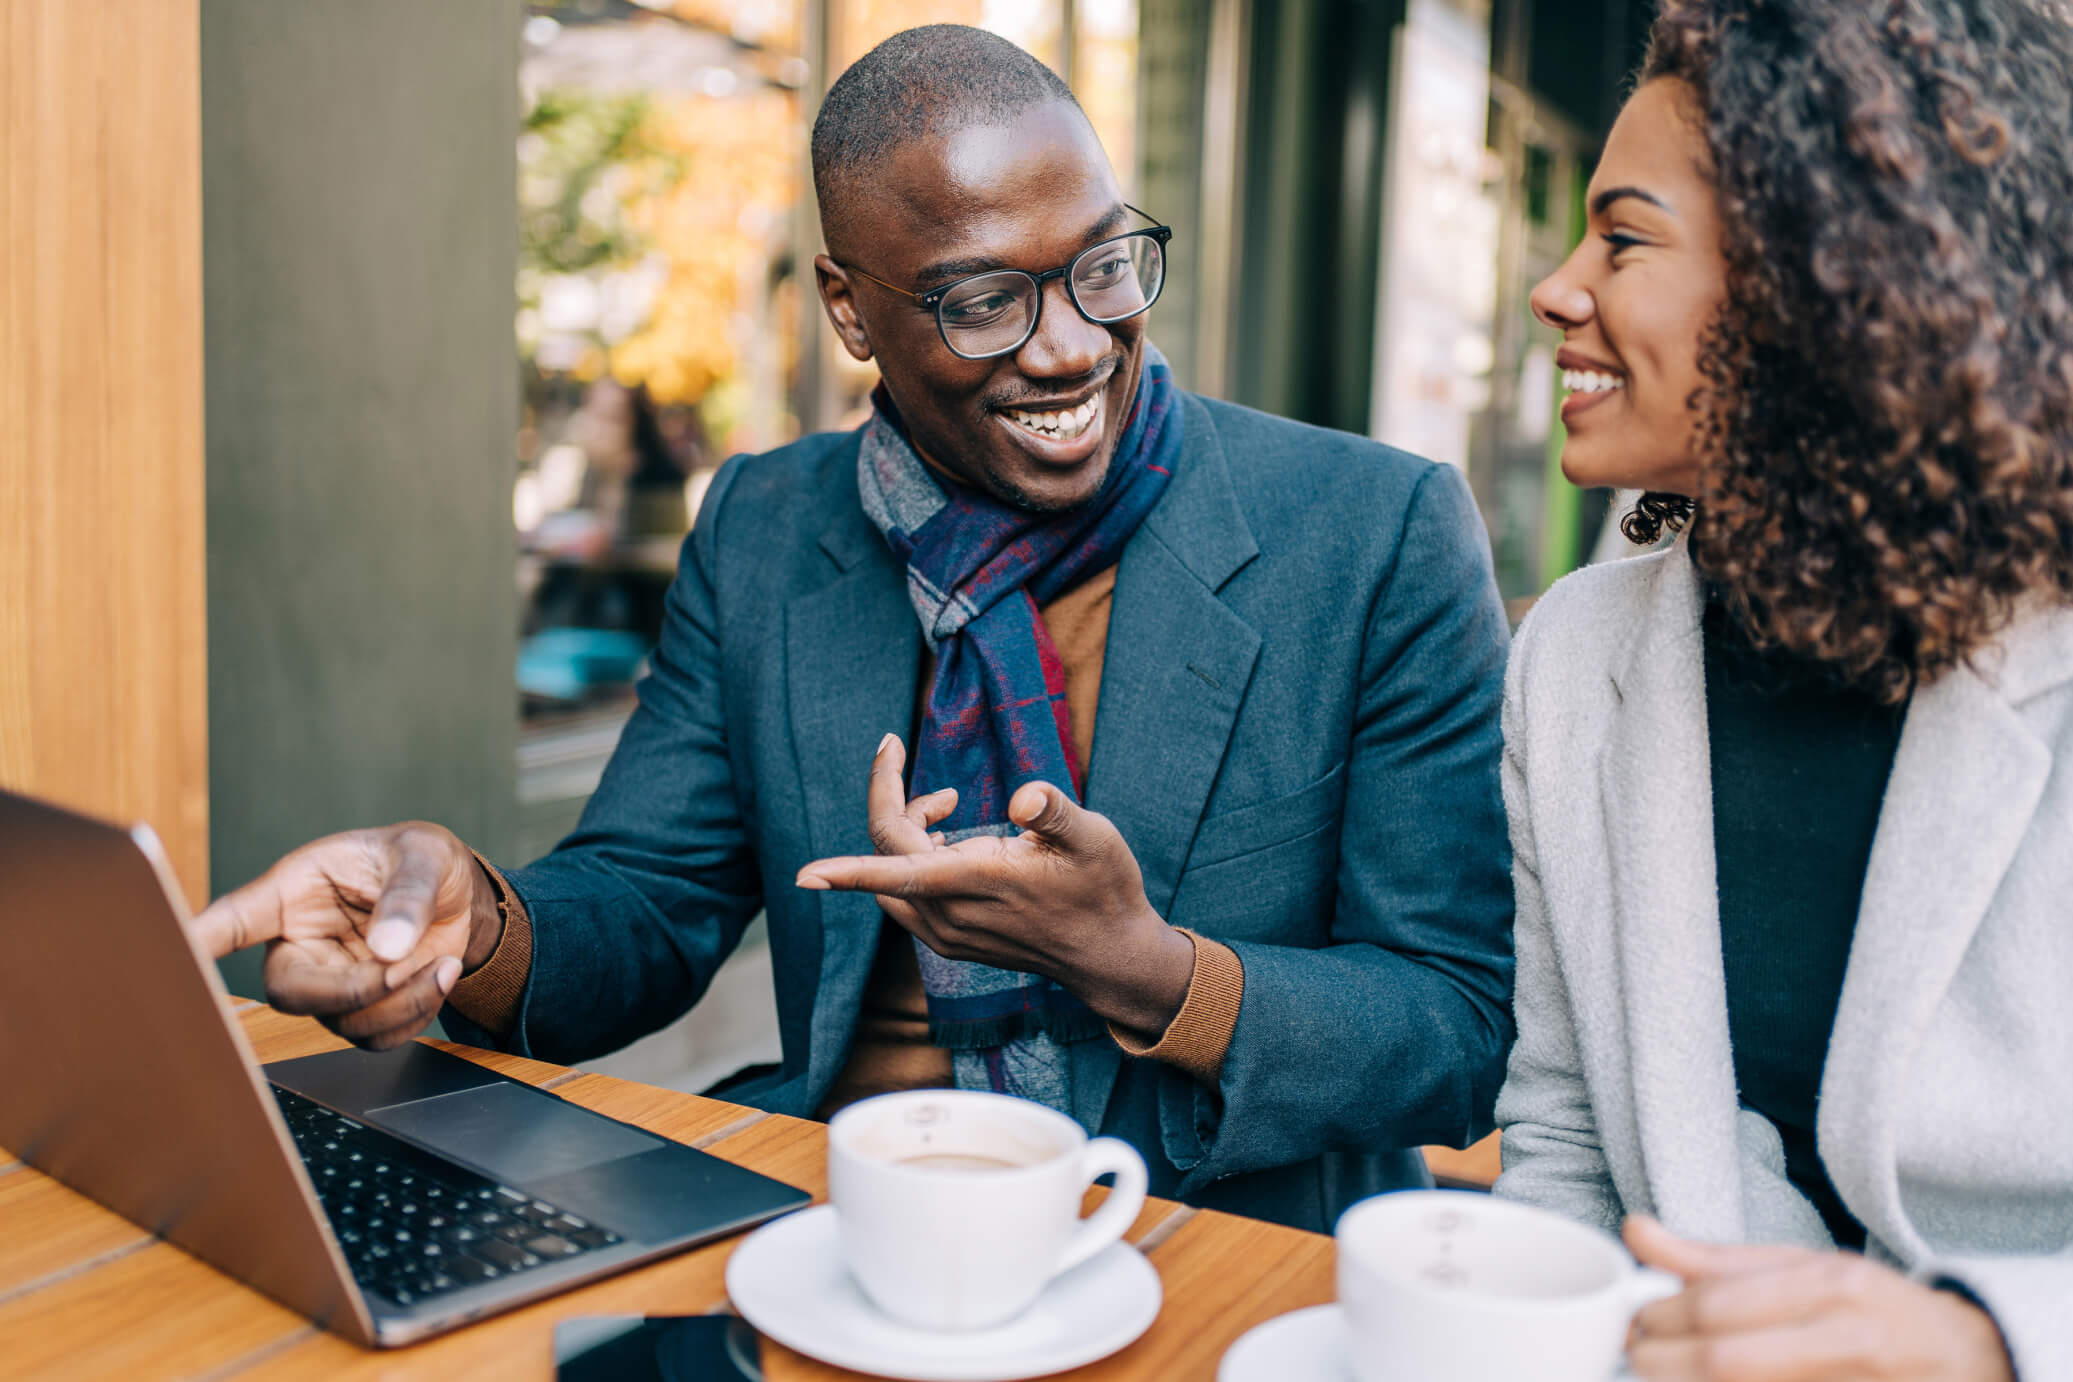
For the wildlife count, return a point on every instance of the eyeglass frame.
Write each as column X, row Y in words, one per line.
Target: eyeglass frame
column 1157, row 232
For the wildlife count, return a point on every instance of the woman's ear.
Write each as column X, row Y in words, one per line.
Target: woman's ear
column 839, row 301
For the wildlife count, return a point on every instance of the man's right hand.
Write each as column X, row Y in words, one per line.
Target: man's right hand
column 367, row 931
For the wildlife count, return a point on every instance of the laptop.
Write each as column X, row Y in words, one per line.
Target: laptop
column 388, row 1197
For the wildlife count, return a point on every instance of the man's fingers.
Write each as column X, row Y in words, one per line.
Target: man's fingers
column 929, row 811
column 403, row 1013
column 937, row 873
column 1735, row 1302
column 246, row 916
column 417, row 866
column 1655, row 1246
column 906, row 914
column 895, row 829
column 299, row 985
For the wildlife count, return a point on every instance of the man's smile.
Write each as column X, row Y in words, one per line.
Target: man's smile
column 1059, row 436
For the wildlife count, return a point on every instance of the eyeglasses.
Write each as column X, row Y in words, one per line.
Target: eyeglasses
column 996, row 312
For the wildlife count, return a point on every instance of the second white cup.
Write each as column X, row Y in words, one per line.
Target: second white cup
column 1440, row 1285
column 955, row 1208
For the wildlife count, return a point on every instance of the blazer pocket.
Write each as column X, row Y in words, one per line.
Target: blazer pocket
column 1247, row 830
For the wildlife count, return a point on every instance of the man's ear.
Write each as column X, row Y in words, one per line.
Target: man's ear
column 840, row 303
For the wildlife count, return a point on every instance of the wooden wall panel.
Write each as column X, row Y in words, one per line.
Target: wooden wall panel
column 103, row 647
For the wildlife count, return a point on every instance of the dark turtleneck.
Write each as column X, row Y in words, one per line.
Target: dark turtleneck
column 1799, row 771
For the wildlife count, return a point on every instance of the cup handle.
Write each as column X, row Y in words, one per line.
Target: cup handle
column 1119, row 1211
column 1647, row 1285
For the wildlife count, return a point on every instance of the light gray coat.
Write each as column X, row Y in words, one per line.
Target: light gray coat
column 1946, row 1112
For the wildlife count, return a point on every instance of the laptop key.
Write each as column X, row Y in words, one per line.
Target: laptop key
column 548, row 1245
column 509, row 1256
column 594, row 1238
column 468, row 1270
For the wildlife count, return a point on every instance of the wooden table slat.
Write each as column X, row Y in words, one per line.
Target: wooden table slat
column 155, row 1312
column 1222, row 1274
column 51, row 1230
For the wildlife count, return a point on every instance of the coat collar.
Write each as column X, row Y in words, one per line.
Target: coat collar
column 1658, row 807
column 1967, row 779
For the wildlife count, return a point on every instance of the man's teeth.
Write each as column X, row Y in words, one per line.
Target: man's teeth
column 1059, row 426
column 1590, row 381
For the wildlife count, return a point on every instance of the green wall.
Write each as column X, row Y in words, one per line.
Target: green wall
column 359, row 188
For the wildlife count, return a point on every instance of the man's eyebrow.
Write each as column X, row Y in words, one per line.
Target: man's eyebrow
column 948, row 270
column 1612, row 194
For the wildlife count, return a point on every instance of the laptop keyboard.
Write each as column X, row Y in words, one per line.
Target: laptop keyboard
column 414, row 1226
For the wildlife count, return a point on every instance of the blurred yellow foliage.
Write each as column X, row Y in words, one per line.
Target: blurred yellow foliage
column 712, row 194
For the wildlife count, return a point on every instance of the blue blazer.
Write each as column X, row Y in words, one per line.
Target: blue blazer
column 1297, row 735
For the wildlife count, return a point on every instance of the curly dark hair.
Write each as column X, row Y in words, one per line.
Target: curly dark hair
column 1885, row 429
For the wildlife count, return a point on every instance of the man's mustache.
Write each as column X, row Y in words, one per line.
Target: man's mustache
column 1095, row 378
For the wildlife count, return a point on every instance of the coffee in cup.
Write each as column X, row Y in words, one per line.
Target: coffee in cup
column 955, row 1208
column 1438, row 1285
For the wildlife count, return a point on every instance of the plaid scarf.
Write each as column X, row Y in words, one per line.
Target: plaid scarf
column 977, row 573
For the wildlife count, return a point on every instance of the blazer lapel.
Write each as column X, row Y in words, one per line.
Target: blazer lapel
column 852, row 660
column 1966, row 780
column 1658, row 807
column 1177, row 665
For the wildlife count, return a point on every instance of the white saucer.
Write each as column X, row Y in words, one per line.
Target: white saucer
column 788, row 1280
column 1302, row 1346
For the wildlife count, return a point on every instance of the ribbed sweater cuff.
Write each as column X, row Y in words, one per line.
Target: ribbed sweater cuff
column 490, row 996
column 1200, row 1033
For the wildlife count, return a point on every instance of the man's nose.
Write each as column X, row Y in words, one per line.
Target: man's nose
column 1065, row 345
column 1561, row 300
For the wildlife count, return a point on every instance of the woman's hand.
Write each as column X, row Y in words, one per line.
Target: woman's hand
column 1786, row 1314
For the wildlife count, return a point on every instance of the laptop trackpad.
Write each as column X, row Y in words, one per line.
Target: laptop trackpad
column 511, row 1132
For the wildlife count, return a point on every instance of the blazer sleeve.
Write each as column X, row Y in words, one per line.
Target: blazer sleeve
column 633, row 913
column 1552, row 1156
column 1393, row 1034
column 2031, row 1300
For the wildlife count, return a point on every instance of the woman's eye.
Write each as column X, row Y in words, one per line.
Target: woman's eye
column 1620, row 241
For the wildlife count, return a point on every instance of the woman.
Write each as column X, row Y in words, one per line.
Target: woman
column 1792, row 799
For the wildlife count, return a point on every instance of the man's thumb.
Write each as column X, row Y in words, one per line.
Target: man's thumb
column 1041, row 809
column 407, row 901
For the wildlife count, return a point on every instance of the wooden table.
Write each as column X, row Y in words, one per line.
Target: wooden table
column 86, row 1294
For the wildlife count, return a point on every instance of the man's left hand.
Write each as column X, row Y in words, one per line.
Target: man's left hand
column 1787, row 1314
column 1063, row 899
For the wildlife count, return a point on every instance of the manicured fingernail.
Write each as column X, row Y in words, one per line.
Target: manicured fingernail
column 449, row 974
column 812, row 882
column 882, row 743
column 390, row 940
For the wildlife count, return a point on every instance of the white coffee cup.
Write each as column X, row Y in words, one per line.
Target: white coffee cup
column 955, row 1208
column 1440, row 1285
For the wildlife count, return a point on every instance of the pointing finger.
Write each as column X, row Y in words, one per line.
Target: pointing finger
column 937, row 873
column 246, row 916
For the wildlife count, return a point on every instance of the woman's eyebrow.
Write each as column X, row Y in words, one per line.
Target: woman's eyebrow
column 1610, row 195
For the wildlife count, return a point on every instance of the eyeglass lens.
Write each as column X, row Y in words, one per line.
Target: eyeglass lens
column 992, row 314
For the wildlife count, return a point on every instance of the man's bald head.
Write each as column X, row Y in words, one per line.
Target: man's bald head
column 937, row 79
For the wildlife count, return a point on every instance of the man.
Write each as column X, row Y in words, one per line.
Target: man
column 1268, row 656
